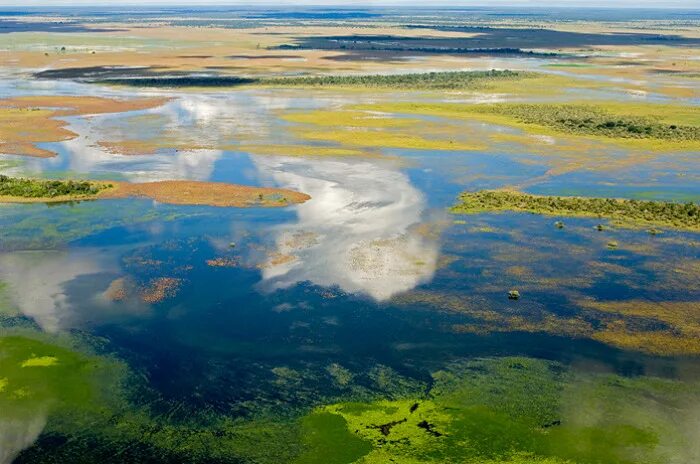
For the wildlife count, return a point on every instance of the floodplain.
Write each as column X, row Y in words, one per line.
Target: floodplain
column 302, row 235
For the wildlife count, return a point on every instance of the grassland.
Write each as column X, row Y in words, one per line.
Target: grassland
column 647, row 126
column 665, row 214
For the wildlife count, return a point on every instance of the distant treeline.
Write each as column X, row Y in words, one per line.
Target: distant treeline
column 432, row 80
column 424, row 49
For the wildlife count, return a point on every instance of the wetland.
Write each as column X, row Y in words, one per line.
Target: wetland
column 303, row 235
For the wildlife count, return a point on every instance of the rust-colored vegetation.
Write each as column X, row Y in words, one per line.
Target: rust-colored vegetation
column 27, row 121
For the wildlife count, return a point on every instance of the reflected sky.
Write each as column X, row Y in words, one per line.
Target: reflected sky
column 40, row 283
column 359, row 231
column 18, row 433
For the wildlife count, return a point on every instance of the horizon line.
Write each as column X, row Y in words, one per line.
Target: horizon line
column 367, row 4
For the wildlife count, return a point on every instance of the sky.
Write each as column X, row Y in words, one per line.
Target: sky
column 539, row 3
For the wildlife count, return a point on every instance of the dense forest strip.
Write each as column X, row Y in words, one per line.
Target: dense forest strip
column 660, row 213
column 431, row 80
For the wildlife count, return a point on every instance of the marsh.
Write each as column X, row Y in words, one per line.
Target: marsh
column 425, row 235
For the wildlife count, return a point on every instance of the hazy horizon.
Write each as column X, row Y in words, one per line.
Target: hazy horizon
column 361, row 3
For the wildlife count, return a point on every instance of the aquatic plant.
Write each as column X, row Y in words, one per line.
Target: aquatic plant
column 661, row 213
column 509, row 410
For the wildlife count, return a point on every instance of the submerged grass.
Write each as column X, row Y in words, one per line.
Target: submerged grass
column 632, row 212
column 511, row 410
column 516, row 410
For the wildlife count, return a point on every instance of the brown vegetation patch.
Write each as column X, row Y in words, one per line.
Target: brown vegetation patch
column 181, row 192
column 26, row 121
column 117, row 290
column 184, row 192
column 659, row 328
column 223, row 262
column 160, row 289
column 277, row 259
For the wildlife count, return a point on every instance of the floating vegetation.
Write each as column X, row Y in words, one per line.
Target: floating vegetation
column 160, row 289
column 631, row 212
column 513, row 295
column 661, row 328
column 118, row 290
column 513, row 410
column 223, row 262
column 510, row 410
column 46, row 384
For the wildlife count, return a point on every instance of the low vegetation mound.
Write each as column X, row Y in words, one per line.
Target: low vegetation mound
column 174, row 192
column 677, row 215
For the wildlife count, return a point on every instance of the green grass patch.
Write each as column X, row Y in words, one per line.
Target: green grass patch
column 646, row 126
column 594, row 120
column 660, row 213
column 38, row 375
column 513, row 410
column 328, row 441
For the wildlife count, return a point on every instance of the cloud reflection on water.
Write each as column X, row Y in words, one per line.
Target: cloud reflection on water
column 18, row 433
column 363, row 218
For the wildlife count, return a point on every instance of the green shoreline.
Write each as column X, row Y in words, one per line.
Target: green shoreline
column 684, row 216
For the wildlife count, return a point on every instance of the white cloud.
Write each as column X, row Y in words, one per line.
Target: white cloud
column 358, row 231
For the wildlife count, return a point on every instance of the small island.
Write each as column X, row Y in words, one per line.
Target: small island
column 176, row 192
column 627, row 212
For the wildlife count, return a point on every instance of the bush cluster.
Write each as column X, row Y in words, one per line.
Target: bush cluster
column 34, row 188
